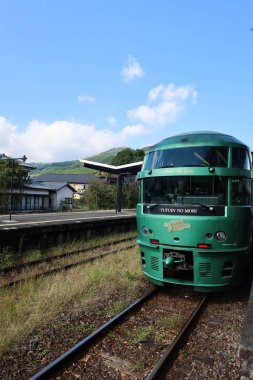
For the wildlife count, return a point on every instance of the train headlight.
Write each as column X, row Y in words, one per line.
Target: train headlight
column 220, row 235
column 145, row 231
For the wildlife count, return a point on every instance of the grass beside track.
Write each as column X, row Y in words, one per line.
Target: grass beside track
column 37, row 302
column 9, row 258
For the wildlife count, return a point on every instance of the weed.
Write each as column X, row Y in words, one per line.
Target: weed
column 139, row 367
column 42, row 352
column 132, row 276
column 7, row 258
column 140, row 334
column 111, row 334
column 85, row 328
column 170, row 322
column 28, row 287
column 117, row 307
column 38, row 302
column 10, row 258
column 33, row 255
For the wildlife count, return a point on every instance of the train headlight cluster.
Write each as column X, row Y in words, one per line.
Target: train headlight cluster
column 145, row 231
column 220, row 235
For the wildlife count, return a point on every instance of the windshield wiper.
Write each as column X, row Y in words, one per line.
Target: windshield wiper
column 194, row 165
column 149, row 207
column 210, row 208
column 183, row 166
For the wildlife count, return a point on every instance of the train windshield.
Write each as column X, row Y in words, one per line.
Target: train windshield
column 205, row 190
column 188, row 156
column 240, row 158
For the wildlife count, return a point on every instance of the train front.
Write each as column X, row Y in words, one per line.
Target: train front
column 194, row 218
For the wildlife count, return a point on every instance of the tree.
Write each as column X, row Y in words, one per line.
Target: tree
column 10, row 174
column 128, row 156
column 10, row 171
column 139, row 155
column 99, row 195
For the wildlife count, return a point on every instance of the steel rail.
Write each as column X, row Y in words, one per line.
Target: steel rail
column 52, row 258
column 80, row 348
column 64, row 267
column 169, row 355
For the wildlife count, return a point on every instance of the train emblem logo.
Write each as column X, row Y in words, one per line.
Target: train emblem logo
column 177, row 225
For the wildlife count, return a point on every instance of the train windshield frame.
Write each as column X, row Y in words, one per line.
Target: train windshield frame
column 206, row 190
column 202, row 156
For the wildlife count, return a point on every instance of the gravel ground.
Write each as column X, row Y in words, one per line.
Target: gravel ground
column 212, row 349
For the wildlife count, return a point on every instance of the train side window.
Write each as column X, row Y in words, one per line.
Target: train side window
column 148, row 161
column 240, row 191
column 240, row 158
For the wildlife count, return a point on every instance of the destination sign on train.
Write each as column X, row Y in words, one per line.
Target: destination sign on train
column 183, row 210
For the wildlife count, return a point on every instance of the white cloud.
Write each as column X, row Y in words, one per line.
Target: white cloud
column 7, row 133
column 66, row 140
column 59, row 141
column 165, row 104
column 132, row 70
column 133, row 130
column 86, row 99
column 170, row 92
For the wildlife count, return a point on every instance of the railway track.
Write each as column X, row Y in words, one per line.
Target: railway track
column 117, row 343
column 49, row 259
column 170, row 353
column 17, row 274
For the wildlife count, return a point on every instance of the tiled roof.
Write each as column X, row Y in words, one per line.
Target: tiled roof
column 36, row 186
column 55, row 185
column 49, row 185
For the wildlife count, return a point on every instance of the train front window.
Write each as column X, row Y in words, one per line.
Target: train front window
column 240, row 191
column 188, row 156
column 240, row 158
column 205, row 190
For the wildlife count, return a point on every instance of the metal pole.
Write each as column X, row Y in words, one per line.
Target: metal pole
column 119, row 190
column 119, row 193
column 12, row 170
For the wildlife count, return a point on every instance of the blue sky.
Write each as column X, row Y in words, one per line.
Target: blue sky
column 80, row 77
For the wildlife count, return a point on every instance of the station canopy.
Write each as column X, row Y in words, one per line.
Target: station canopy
column 132, row 168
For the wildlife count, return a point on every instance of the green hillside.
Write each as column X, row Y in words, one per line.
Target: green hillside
column 105, row 157
column 65, row 167
column 73, row 167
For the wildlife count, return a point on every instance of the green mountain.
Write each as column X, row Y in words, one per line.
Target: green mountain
column 73, row 167
column 105, row 157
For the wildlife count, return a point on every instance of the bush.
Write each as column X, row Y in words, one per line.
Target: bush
column 100, row 195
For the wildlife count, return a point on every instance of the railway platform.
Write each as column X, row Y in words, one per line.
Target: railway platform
column 41, row 231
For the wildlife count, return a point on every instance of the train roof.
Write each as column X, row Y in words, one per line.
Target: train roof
column 198, row 138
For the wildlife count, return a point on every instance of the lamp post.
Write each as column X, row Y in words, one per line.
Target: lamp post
column 24, row 158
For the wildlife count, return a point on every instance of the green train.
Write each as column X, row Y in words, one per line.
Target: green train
column 195, row 214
